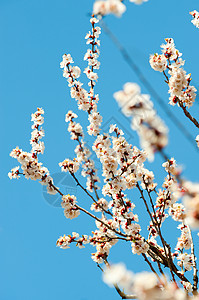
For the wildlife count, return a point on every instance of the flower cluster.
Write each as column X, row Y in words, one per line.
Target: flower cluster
column 144, row 285
column 115, row 7
column 72, row 74
column 37, row 133
column 82, row 153
column 99, row 205
column 95, row 121
column 103, row 239
column 171, row 167
column 64, row 241
column 184, row 241
column 186, row 190
column 186, row 261
column 177, row 211
column 74, row 128
column 91, row 56
column 31, row 167
column 180, row 90
column 69, row 165
column 71, row 211
column 87, row 100
column 14, row 174
column 118, row 274
column 131, row 170
column 151, row 129
column 195, row 15
column 158, row 62
column 106, row 7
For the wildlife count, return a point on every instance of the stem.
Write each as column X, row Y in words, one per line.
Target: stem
column 91, row 176
column 151, row 267
column 187, row 114
column 160, row 269
column 164, row 261
column 167, row 78
column 99, row 220
column 147, row 208
column 85, row 190
column 156, row 225
column 103, row 241
column 153, row 249
column 91, row 215
column 126, row 169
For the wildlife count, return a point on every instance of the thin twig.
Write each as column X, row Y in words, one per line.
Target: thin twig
column 85, row 190
column 91, row 215
column 164, row 261
column 151, row 267
column 152, row 248
column 156, row 225
column 195, row 270
column 91, row 175
column 187, row 114
column 99, row 220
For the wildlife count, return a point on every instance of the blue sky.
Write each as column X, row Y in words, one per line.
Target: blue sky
column 35, row 34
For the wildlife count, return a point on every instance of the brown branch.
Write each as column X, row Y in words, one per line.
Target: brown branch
column 126, row 168
column 91, row 175
column 107, row 240
column 167, row 78
column 151, row 267
column 187, row 114
column 156, row 225
column 99, row 220
column 91, row 215
column 160, row 269
column 147, row 208
column 85, row 190
column 153, row 249
column 164, row 261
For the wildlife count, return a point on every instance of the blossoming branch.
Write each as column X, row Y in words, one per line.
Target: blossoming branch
column 123, row 171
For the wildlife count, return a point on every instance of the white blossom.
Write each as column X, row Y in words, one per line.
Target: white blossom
column 158, row 62
column 195, row 15
column 106, row 7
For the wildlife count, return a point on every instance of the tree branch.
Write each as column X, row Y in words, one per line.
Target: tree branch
column 187, row 114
